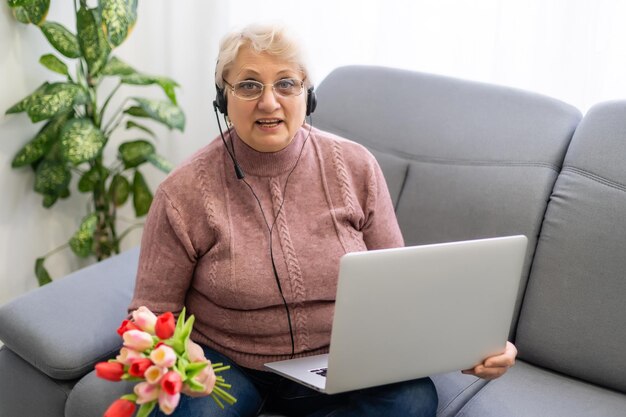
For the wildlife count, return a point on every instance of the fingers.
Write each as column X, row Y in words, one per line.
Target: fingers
column 495, row 366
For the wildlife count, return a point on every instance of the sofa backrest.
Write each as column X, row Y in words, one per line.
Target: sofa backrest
column 573, row 319
column 462, row 159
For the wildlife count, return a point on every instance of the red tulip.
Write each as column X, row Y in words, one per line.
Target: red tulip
column 126, row 326
column 112, row 371
column 138, row 367
column 165, row 325
column 172, row 383
column 120, row 408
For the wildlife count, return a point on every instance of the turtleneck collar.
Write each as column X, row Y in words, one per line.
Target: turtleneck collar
column 267, row 164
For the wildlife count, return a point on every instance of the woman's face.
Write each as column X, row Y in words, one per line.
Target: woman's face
column 269, row 123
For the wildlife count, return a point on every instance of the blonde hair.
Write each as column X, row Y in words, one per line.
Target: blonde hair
column 272, row 39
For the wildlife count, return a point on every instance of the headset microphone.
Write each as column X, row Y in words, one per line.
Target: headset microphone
column 238, row 171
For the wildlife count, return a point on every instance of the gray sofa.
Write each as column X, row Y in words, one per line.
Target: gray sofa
column 463, row 160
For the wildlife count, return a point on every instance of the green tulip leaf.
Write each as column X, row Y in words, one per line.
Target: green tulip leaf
column 130, row 124
column 117, row 19
column 40, row 145
column 53, row 64
column 30, row 11
column 119, row 190
column 82, row 241
column 81, row 141
column 91, row 39
column 43, row 277
column 160, row 162
column 89, row 179
column 56, row 98
column 23, row 104
column 135, row 153
column 163, row 111
column 52, row 177
column 61, row 39
column 146, row 409
column 142, row 197
column 116, row 66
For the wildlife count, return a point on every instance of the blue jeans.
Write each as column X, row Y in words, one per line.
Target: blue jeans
column 258, row 391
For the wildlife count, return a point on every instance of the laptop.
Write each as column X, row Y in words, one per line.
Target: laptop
column 411, row 312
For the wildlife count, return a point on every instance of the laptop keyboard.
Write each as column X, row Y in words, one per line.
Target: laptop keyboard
column 319, row 371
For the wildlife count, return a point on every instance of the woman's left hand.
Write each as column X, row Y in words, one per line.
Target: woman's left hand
column 495, row 366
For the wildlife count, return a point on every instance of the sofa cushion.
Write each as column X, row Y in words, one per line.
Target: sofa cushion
column 528, row 391
column 454, row 390
column 572, row 320
column 82, row 312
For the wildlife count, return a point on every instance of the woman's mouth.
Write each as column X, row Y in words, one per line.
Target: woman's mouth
column 268, row 123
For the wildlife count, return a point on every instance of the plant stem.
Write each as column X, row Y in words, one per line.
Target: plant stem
column 106, row 102
column 119, row 114
column 128, row 230
column 56, row 250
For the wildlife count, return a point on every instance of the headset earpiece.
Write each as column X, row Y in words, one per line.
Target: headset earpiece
column 220, row 101
column 311, row 101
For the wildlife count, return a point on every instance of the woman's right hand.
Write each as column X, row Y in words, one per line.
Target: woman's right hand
column 206, row 377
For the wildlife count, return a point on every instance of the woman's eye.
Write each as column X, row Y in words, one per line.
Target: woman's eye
column 248, row 85
column 285, row 84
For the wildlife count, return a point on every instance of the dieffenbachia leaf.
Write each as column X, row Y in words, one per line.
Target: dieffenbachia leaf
column 52, row 177
column 81, row 141
column 116, row 66
column 61, row 39
column 160, row 162
column 53, row 64
column 130, row 124
column 118, row 18
column 40, row 144
column 163, row 111
column 91, row 39
column 135, row 153
column 119, row 190
column 142, row 197
column 82, row 241
column 43, row 277
column 23, row 104
column 89, row 179
column 167, row 84
column 56, row 98
column 30, row 11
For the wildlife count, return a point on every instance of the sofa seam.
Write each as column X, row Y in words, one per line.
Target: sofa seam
column 595, row 177
column 461, row 393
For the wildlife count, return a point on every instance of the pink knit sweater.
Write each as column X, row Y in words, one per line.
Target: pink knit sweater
column 206, row 245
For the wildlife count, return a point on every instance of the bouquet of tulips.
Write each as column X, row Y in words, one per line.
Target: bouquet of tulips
column 158, row 354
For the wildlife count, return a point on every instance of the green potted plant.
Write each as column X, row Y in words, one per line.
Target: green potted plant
column 78, row 122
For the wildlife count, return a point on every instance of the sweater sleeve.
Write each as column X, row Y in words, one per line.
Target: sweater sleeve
column 166, row 261
column 381, row 229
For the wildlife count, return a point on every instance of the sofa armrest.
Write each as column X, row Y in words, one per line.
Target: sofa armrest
column 67, row 326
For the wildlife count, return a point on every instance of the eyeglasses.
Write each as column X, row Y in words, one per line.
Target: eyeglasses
column 251, row 90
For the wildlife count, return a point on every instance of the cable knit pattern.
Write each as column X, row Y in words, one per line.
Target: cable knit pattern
column 205, row 245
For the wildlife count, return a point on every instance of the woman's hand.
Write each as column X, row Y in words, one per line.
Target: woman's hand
column 206, row 377
column 495, row 366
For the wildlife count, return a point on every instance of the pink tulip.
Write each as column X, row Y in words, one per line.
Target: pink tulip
column 137, row 340
column 163, row 356
column 167, row 402
column 139, row 367
column 154, row 374
column 172, row 382
column 144, row 319
column 146, row 392
column 127, row 356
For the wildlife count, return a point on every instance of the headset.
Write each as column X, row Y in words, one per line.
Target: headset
column 220, row 104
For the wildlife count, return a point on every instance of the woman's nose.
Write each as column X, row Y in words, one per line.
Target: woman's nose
column 268, row 100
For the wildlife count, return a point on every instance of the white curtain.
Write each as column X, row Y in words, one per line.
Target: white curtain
column 572, row 50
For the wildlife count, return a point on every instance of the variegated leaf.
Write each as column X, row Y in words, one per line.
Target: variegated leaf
column 116, row 19
column 167, row 84
column 30, row 11
column 116, row 66
column 136, row 111
column 39, row 146
column 82, row 241
column 56, row 98
column 52, row 177
column 49, row 200
column 53, row 64
column 160, row 162
column 142, row 197
column 119, row 190
column 130, row 124
column 164, row 112
column 88, row 181
column 135, row 153
column 81, row 141
column 23, row 104
column 43, row 277
column 61, row 39
column 91, row 39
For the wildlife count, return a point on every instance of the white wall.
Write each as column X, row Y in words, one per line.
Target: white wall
column 572, row 50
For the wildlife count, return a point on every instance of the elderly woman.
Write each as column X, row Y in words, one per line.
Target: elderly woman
column 247, row 235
